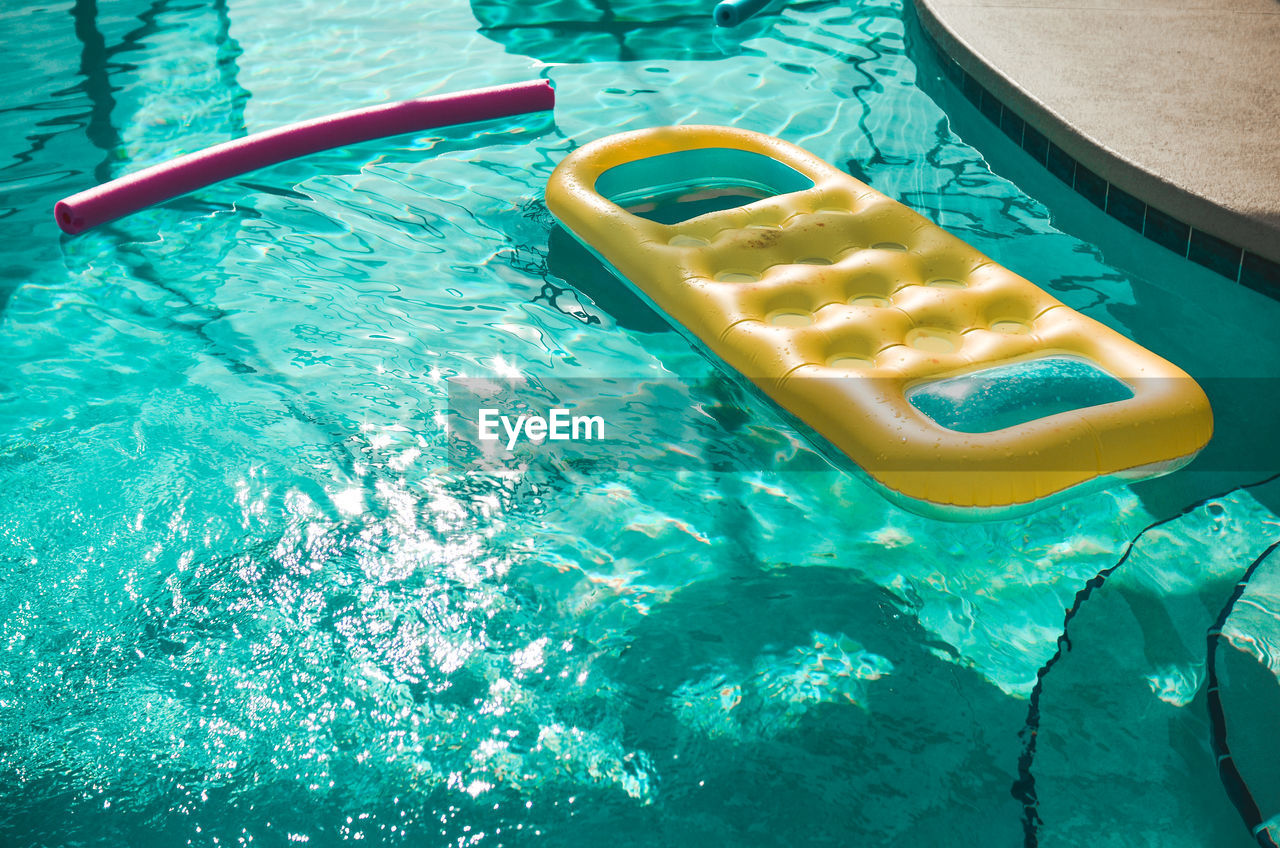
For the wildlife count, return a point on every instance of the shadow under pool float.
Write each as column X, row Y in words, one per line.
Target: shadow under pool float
column 961, row 389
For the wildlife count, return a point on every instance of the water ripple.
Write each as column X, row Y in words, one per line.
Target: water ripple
column 246, row 593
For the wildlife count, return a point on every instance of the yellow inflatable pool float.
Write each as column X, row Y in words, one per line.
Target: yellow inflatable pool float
column 959, row 387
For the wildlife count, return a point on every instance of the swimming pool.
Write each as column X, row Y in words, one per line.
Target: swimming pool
column 248, row 594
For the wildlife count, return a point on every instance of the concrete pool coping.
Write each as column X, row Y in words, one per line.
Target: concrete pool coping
column 1136, row 109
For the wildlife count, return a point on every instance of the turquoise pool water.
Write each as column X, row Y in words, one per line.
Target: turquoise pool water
column 246, row 597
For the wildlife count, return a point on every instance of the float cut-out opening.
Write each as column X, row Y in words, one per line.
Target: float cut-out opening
column 1016, row 393
column 675, row 187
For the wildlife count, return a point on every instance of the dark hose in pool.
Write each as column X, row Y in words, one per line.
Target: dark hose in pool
column 187, row 173
column 730, row 13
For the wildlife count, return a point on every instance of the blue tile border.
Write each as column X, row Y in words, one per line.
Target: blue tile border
column 1061, row 165
column 1126, row 209
column 1091, row 186
column 1035, row 143
column 1229, row 260
column 1215, row 253
column 1260, row 274
column 1167, row 231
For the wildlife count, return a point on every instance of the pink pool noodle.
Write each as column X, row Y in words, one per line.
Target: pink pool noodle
column 187, row 173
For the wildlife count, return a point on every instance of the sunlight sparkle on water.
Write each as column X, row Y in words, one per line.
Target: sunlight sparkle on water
column 349, row 501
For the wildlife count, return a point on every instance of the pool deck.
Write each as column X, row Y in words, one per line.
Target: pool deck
column 1175, row 102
